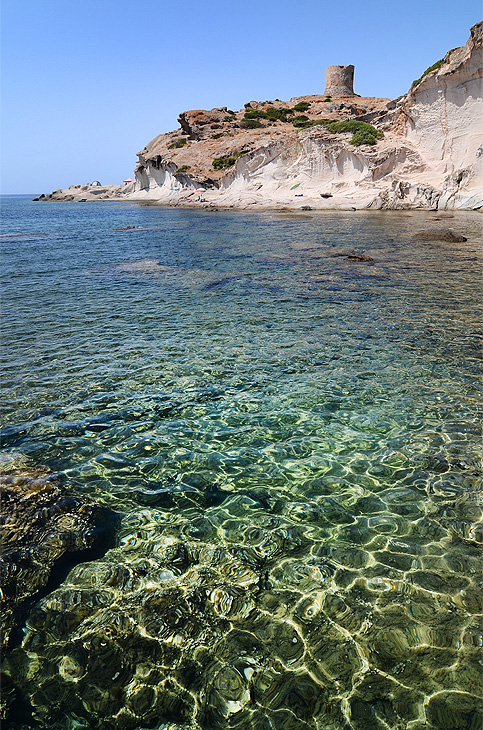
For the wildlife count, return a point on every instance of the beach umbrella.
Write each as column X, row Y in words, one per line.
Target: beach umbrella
column 295, row 185
column 128, row 180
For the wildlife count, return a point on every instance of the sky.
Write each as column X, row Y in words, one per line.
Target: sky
column 87, row 85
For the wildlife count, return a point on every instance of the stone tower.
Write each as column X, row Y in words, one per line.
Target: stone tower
column 339, row 81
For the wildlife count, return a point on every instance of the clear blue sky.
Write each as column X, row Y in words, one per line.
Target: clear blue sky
column 87, row 84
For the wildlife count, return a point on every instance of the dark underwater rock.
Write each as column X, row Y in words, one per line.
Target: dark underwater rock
column 439, row 234
column 351, row 254
column 344, row 252
column 455, row 710
column 359, row 257
column 45, row 530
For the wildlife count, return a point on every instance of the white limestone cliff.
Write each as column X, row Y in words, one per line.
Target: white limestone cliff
column 443, row 122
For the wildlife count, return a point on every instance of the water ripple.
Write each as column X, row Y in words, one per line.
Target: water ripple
column 294, row 445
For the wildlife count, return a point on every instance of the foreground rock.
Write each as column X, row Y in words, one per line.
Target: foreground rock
column 45, row 530
column 255, row 612
column 283, row 154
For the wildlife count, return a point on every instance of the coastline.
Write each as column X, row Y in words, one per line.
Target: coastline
column 309, row 205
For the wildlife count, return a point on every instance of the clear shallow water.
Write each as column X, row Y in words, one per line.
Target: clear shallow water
column 293, row 440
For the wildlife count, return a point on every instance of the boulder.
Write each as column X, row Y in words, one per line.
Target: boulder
column 439, row 234
column 46, row 529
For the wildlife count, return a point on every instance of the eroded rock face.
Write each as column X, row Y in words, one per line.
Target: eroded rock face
column 442, row 109
column 199, row 123
column 45, row 529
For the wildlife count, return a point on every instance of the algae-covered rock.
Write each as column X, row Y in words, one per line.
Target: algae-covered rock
column 45, row 530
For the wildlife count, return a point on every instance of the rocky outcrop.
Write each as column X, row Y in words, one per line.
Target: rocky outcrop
column 200, row 123
column 45, row 528
column 427, row 152
column 83, row 193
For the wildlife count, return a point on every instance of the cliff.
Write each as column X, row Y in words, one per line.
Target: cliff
column 423, row 150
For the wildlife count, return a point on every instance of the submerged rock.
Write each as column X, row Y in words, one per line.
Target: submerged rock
column 359, row 257
column 454, row 709
column 344, row 252
column 439, row 234
column 350, row 254
column 45, row 530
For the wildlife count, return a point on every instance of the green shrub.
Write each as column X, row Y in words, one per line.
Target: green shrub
column 221, row 163
column 363, row 137
column 179, row 143
column 217, row 136
column 302, row 106
column 230, row 111
column 362, row 133
column 248, row 123
column 228, row 118
column 182, row 169
column 301, row 121
column 328, row 98
column 428, row 70
column 255, row 114
column 274, row 114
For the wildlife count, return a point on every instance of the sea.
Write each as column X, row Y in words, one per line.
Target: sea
column 283, row 409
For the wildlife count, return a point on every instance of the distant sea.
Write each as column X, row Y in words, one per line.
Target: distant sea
column 291, row 435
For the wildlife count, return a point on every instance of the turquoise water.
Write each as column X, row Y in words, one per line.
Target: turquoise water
column 293, row 441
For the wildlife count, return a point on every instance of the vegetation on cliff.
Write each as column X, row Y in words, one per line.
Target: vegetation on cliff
column 221, row 163
column 178, row 144
column 428, row 70
column 362, row 132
